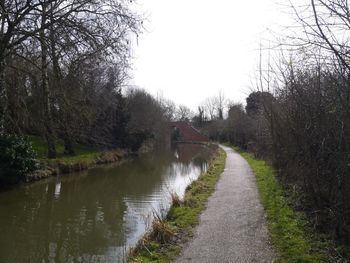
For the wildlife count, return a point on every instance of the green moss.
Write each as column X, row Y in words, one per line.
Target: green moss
column 183, row 218
column 291, row 238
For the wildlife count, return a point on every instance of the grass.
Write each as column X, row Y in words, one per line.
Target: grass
column 291, row 237
column 181, row 219
column 40, row 147
column 84, row 158
column 83, row 153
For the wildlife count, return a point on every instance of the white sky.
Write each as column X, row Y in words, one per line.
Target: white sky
column 192, row 49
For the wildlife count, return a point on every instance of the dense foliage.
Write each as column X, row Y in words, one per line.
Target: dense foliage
column 17, row 159
column 310, row 144
column 64, row 68
column 304, row 131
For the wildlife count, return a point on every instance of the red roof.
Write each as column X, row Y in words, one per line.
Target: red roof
column 189, row 133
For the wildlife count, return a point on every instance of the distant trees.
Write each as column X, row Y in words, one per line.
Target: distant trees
column 200, row 118
column 242, row 126
column 210, row 117
column 257, row 102
column 183, row 113
column 147, row 118
column 220, row 104
column 239, row 128
column 213, row 107
column 168, row 107
column 210, row 108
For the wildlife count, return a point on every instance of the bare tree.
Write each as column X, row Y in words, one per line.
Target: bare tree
column 68, row 33
column 51, row 153
column 183, row 113
column 220, row 104
column 169, row 107
column 210, row 107
column 201, row 114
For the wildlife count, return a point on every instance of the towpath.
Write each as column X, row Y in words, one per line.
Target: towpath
column 233, row 228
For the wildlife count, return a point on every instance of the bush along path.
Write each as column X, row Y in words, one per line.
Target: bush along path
column 168, row 235
column 293, row 239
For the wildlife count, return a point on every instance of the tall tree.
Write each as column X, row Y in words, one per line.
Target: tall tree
column 220, row 103
column 47, row 121
column 183, row 113
column 68, row 33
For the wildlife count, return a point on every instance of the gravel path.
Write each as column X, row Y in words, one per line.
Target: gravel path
column 233, row 227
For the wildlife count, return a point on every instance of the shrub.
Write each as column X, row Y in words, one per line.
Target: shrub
column 17, row 158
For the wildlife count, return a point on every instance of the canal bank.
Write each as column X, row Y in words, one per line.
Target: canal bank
column 169, row 233
column 77, row 163
column 32, row 164
column 84, row 158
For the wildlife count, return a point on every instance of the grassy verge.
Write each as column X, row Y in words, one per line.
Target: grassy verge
column 291, row 237
column 40, row 147
column 84, row 158
column 168, row 235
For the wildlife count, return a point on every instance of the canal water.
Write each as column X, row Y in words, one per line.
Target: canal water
column 96, row 215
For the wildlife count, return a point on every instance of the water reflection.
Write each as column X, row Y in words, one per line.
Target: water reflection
column 93, row 216
column 57, row 190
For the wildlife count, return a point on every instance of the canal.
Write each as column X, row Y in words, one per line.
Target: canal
column 96, row 215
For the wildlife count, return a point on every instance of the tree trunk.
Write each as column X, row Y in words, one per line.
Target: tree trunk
column 51, row 148
column 62, row 99
column 68, row 145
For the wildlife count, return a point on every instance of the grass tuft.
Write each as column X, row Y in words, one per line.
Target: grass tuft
column 176, row 201
column 162, row 231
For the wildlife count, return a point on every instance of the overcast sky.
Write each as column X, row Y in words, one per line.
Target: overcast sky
column 192, row 49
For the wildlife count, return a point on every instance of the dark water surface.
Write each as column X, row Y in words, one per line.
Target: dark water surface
column 93, row 216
